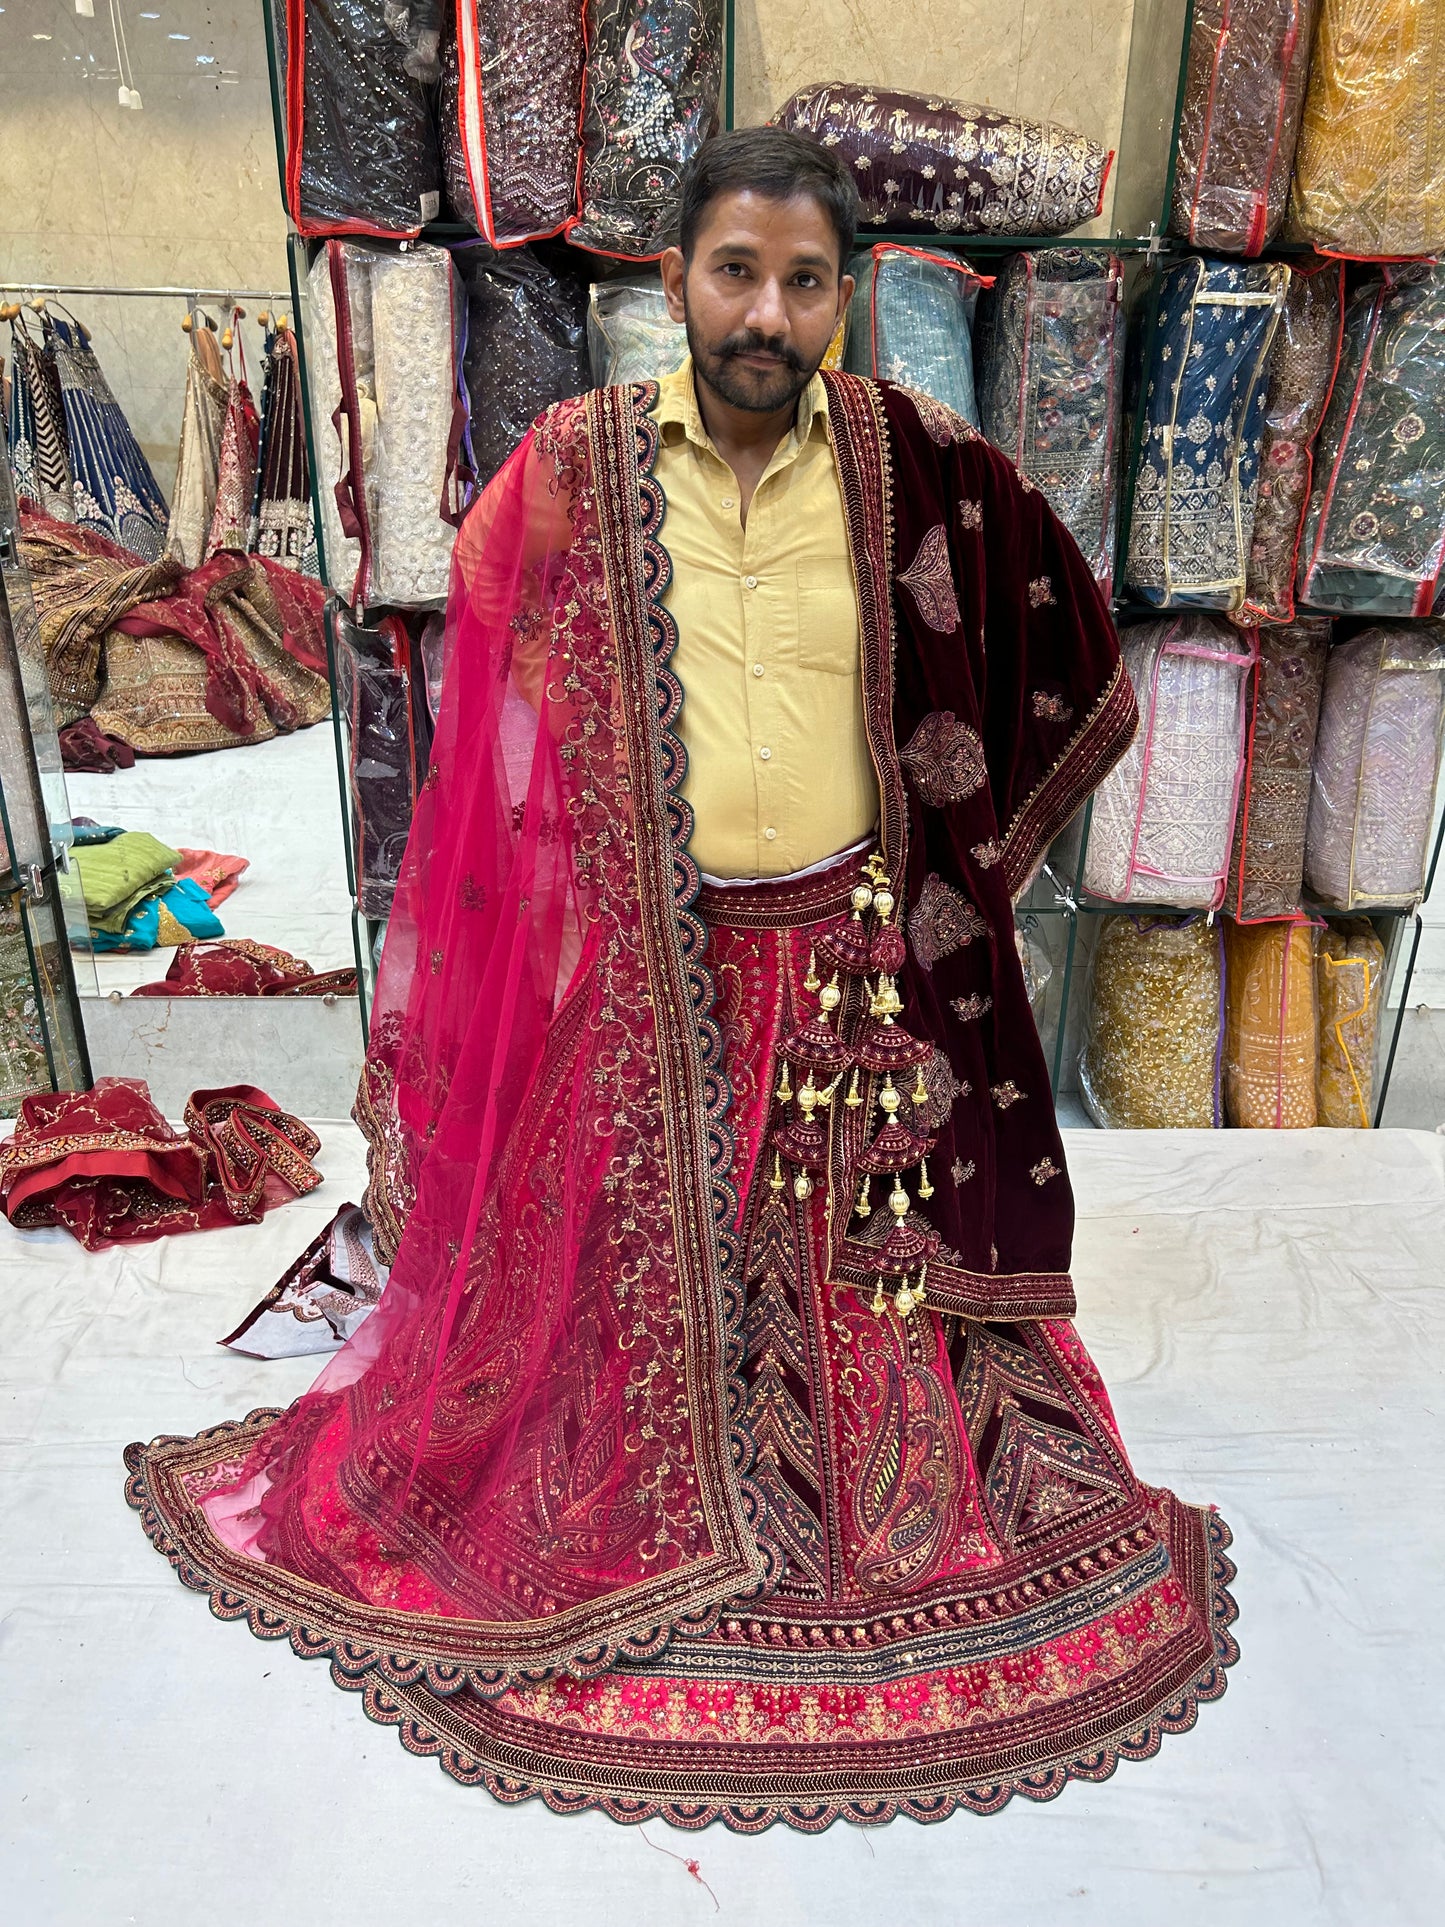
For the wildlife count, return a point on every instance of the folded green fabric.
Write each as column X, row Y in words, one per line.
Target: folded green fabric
column 115, row 875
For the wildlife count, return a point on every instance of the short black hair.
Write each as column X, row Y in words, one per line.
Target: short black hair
column 773, row 162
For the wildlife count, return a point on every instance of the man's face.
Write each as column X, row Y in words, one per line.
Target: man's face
column 761, row 297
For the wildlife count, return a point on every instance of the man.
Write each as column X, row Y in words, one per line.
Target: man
column 721, row 1444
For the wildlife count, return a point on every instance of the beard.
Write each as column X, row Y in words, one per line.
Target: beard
column 761, row 391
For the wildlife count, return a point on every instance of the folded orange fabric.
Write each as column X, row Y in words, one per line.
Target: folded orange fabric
column 217, row 875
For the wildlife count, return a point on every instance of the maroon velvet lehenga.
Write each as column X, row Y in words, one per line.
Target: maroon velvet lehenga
column 721, row 1446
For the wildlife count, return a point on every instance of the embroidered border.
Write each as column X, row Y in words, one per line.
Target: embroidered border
column 1096, row 747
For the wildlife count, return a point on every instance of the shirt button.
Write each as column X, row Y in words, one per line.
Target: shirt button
column 770, row 833
column 757, row 669
column 765, row 754
column 728, row 502
column 750, row 582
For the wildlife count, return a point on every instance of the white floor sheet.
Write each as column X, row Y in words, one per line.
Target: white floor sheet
column 1269, row 1313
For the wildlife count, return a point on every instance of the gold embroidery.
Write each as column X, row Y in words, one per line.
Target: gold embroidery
column 930, row 580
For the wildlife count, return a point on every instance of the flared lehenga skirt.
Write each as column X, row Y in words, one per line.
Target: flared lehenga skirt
column 969, row 1593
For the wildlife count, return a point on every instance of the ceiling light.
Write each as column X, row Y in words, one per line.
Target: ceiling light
column 178, row 36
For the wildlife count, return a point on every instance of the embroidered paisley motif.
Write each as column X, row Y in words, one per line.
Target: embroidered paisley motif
column 941, row 922
column 941, row 423
column 944, row 757
column 930, row 580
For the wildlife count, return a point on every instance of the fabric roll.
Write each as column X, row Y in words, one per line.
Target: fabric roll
column 1369, row 174
column 1377, row 759
column 1244, row 93
column 653, row 78
column 1271, row 1027
column 630, row 335
column 911, row 321
column 1202, row 396
column 1350, row 966
column 1302, row 371
column 1049, row 361
column 526, row 344
column 115, row 491
column 1163, row 819
column 924, row 164
column 1283, row 712
column 1374, row 537
column 1151, row 1057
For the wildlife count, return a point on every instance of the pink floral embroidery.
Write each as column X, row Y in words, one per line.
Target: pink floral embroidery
column 843, row 1705
column 906, row 1697
column 944, row 757
column 1006, row 1093
column 930, row 580
column 971, row 1006
column 576, row 1695
column 941, row 922
column 1051, row 709
column 776, row 1703
column 644, row 1697
column 707, row 1704
column 985, row 855
column 1041, row 591
column 1043, row 1170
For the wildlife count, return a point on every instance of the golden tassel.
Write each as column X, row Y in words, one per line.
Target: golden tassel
column 812, row 981
column 925, row 1189
column 775, row 1182
column 880, row 1303
column 853, row 1099
column 920, row 1089
column 863, row 1208
column 784, row 1091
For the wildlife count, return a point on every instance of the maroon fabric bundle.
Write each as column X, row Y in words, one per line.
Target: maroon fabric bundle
column 241, row 967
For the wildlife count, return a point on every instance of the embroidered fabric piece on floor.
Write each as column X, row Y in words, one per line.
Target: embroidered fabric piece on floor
column 1271, row 1030
column 1151, row 1057
column 1282, row 707
column 324, row 1297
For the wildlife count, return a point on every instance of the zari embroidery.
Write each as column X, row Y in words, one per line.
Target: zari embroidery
column 930, row 579
column 967, row 1008
column 942, row 921
column 945, row 759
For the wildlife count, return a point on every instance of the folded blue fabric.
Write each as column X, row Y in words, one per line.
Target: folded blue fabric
column 154, row 922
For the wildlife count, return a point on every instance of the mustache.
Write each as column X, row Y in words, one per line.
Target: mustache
column 748, row 341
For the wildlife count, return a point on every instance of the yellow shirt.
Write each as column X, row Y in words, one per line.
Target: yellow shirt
column 778, row 771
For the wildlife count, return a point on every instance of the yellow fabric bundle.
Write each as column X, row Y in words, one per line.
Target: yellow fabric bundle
column 1271, row 1026
column 1351, row 967
column 1153, row 1040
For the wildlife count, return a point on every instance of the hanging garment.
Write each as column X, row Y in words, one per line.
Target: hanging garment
column 925, row 165
column 1369, row 172
column 284, row 530
column 115, row 492
column 1282, row 707
column 198, row 458
column 389, row 416
column 1350, row 961
column 526, row 344
column 1377, row 761
column 511, row 106
column 1049, row 356
column 106, row 1165
column 1153, row 1031
column 1202, row 396
column 236, row 475
column 1374, row 538
column 911, row 321
column 1244, row 92
column 630, row 335
column 1302, row 369
column 361, row 146
column 1163, row 820
column 240, row 967
column 1271, row 1028
column 382, row 704
column 39, row 455
column 24, row 1064
column 650, row 99
column 322, row 1299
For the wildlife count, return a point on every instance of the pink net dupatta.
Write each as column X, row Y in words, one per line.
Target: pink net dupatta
column 523, row 1456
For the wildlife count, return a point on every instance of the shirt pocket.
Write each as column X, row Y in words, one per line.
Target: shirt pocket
column 827, row 616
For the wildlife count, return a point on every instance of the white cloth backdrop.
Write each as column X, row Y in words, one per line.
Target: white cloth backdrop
column 1269, row 1313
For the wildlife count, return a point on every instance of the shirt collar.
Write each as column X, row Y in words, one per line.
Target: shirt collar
column 677, row 408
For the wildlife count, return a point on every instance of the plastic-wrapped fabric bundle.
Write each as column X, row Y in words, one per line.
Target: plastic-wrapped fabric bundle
column 1243, row 96
column 383, row 709
column 1049, row 362
column 1282, row 706
column 934, row 166
column 653, row 77
column 526, row 345
column 1377, row 758
column 1271, row 1025
column 1163, row 819
column 388, row 420
column 511, row 100
column 1350, row 966
column 630, row 335
column 1369, row 171
column 911, row 321
column 1374, row 539
column 361, row 147
column 1203, row 396
column 1150, row 1060
column 1302, row 370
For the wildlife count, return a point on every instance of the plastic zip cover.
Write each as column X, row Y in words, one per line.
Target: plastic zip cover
column 330, row 425
column 1369, row 172
column 361, row 147
column 1266, row 873
column 653, row 78
column 1271, row 1025
column 1203, row 397
column 1151, row 1048
column 526, row 344
column 630, row 335
column 1302, row 368
column 374, row 692
column 1374, row 537
column 1163, row 819
column 911, row 321
column 509, row 111
column 1244, row 94
column 1377, row 761
column 1350, row 966
column 1049, row 351
column 933, row 166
